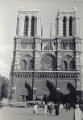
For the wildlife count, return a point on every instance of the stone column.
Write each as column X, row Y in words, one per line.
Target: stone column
column 67, row 26
column 77, row 27
column 56, row 26
column 29, row 28
column 77, row 23
column 17, row 29
column 21, row 24
column 60, row 30
column 35, row 26
column 59, row 44
column 38, row 26
column 77, row 54
column 58, row 54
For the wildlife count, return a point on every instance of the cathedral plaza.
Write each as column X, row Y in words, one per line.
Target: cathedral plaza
column 8, row 113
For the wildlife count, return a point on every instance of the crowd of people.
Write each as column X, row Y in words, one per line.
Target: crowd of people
column 48, row 108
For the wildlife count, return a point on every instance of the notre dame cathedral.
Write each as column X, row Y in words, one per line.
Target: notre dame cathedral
column 41, row 64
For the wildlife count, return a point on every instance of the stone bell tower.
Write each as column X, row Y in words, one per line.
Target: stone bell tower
column 28, row 24
column 68, row 42
column 28, row 28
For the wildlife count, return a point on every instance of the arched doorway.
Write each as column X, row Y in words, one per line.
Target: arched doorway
column 72, row 96
column 29, row 89
column 52, row 90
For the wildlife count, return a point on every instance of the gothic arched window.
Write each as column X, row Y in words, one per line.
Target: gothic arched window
column 68, row 63
column 70, row 26
column 24, row 64
column 72, row 45
column 41, row 45
column 26, row 23
column 65, row 65
column 64, row 26
column 72, row 65
column 32, row 25
column 64, row 45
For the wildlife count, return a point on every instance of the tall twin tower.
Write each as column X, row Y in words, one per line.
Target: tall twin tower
column 42, row 64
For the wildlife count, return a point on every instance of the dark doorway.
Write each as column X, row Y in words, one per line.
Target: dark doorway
column 52, row 90
column 72, row 96
column 29, row 89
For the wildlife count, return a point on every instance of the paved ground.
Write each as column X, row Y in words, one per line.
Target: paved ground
column 11, row 113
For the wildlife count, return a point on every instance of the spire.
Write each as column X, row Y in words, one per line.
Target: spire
column 51, row 29
column 41, row 30
column 17, row 28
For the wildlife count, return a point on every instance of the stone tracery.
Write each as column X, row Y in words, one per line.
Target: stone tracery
column 48, row 63
column 26, row 62
column 68, row 63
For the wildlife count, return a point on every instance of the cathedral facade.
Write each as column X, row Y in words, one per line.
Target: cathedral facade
column 39, row 64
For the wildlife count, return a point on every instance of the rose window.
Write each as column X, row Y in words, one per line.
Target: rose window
column 47, row 63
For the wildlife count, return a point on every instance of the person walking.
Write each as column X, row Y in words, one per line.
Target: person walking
column 78, row 115
column 35, row 109
column 50, row 107
column 56, row 109
column 45, row 109
column 58, row 100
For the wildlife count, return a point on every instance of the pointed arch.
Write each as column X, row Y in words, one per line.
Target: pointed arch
column 65, row 65
column 33, row 26
column 64, row 25
column 26, row 62
column 26, row 23
column 29, row 89
column 72, row 64
column 50, row 86
column 72, row 94
column 68, row 63
column 52, row 90
column 70, row 26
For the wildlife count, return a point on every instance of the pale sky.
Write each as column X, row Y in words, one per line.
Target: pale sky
column 8, row 18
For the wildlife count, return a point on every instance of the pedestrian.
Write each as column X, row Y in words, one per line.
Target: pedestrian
column 35, row 109
column 56, row 109
column 67, row 106
column 78, row 115
column 45, row 109
column 50, row 107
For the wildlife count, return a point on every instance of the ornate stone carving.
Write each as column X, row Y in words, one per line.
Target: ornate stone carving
column 47, row 63
column 26, row 62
